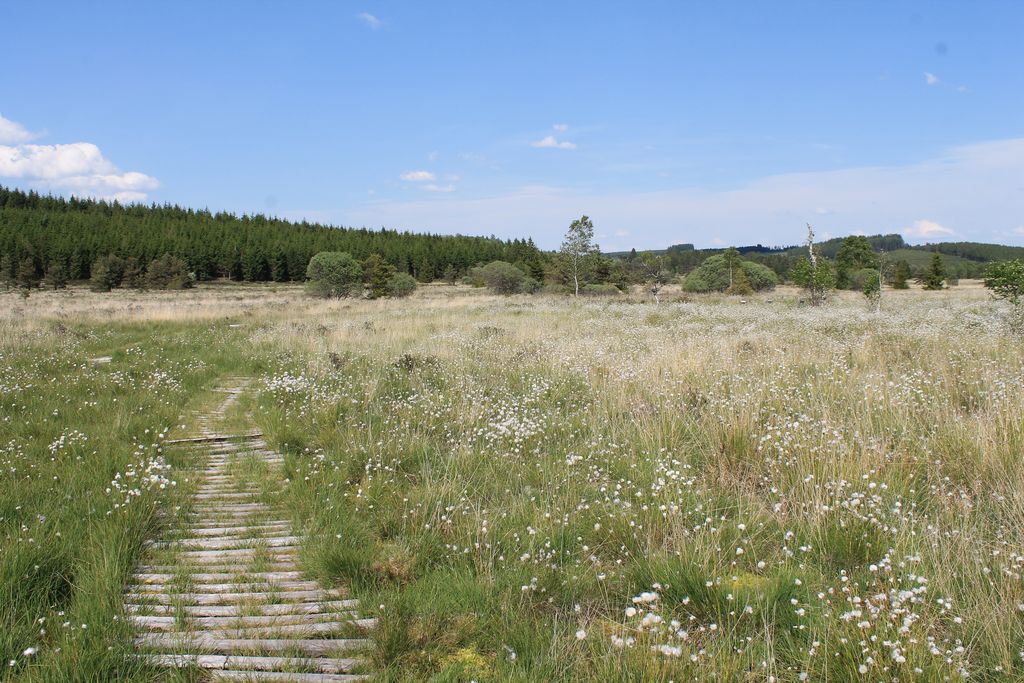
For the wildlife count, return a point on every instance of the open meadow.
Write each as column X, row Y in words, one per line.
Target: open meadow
column 536, row 488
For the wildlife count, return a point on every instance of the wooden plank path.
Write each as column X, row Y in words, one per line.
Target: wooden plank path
column 228, row 596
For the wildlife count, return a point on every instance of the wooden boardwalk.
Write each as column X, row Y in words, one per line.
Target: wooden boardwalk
column 227, row 595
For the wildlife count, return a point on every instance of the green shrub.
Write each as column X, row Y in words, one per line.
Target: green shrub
column 168, row 272
column 502, row 277
column 1006, row 280
column 600, row 290
column 401, row 285
column 713, row 276
column 860, row 278
column 334, row 274
column 531, row 285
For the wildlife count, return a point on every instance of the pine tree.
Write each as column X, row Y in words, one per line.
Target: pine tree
column 107, row 273
column 900, row 274
column 376, row 274
column 134, row 274
column 27, row 276
column 56, row 275
column 935, row 277
column 740, row 284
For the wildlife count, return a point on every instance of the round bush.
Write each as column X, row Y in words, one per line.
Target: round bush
column 334, row 274
column 401, row 285
column 713, row 276
column 502, row 277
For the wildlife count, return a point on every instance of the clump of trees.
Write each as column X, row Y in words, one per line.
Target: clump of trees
column 504, row 278
column 335, row 274
column 856, row 263
column 715, row 275
column 167, row 272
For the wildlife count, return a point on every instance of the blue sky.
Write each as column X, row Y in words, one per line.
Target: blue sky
column 666, row 122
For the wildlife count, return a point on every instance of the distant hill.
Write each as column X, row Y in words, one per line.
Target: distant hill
column 963, row 259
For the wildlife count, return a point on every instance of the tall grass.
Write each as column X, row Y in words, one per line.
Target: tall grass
column 538, row 490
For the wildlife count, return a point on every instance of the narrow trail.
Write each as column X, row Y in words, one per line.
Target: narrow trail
column 227, row 595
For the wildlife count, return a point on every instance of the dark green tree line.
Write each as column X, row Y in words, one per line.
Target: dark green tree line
column 68, row 236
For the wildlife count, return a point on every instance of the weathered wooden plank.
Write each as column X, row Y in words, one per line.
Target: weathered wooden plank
column 287, row 677
column 220, row 598
column 282, row 587
column 220, row 577
column 215, row 531
column 278, row 609
column 310, row 646
column 214, row 438
column 170, row 622
column 254, row 663
column 232, row 543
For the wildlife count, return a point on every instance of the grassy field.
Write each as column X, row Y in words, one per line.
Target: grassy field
column 533, row 488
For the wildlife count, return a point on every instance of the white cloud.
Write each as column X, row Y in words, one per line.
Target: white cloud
column 549, row 142
column 622, row 233
column 370, row 20
column 418, row 176
column 431, row 187
column 49, row 162
column 973, row 187
column 925, row 229
column 1019, row 230
column 13, row 133
column 561, row 127
column 931, row 79
column 79, row 168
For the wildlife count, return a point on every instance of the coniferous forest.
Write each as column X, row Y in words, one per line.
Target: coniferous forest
column 41, row 231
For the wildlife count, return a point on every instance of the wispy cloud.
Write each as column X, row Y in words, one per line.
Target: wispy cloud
column 932, row 79
column 13, row 133
column 418, row 176
column 561, row 127
column 78, row 167
column 370, row 20
column 550, row 142
column 425, row 180
column 924, row 229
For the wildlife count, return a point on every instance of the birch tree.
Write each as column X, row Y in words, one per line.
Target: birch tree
column 578, row 250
